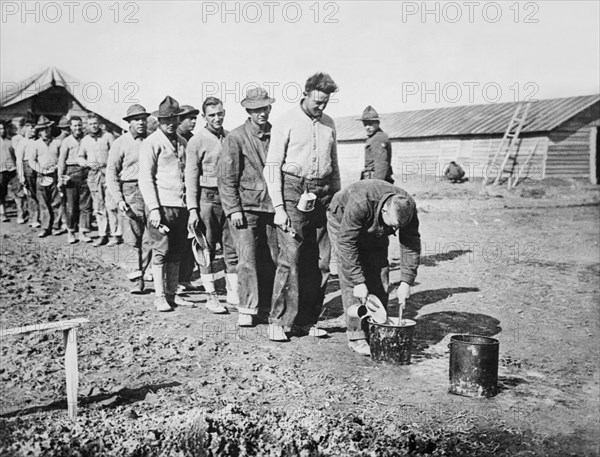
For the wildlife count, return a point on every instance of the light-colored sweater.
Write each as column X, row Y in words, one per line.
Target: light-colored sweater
column 161, row 175
column 303, row 147
column 123, row 163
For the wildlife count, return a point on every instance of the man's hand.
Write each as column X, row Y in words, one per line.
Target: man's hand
column 123, row 206
column 154, row 218
column 403, row 293
column 237, row 219
column 281, row 217
column 360, row 291
column 193, row 219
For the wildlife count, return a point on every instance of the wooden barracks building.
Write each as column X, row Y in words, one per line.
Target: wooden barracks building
column 564, row 132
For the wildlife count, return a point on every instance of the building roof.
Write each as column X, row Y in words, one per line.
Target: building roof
column 488, row 119
column 38, row 83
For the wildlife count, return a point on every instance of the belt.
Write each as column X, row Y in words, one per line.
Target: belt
column 323, row 181
column 130, row 181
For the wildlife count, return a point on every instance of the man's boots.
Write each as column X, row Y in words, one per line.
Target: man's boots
column 232, row 289
column 160, row 302
column 171, row 287
column 212, row 302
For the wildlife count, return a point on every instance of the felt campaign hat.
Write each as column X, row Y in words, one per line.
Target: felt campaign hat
column 189, row 110
column 43, row 122
column 369, row 114
column 256, row 97
column 63, row 123
column 135, row 110
column 169, row 107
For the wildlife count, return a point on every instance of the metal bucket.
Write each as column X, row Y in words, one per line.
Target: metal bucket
column 474, row 365
column 390, row 342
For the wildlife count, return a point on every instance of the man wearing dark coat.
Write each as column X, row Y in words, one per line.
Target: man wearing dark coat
column 360, row 219
column 378, row 149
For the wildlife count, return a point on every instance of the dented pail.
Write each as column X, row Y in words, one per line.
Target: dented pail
column 392, row 341
column 474, row 365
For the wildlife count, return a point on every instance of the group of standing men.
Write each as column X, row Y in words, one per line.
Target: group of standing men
column 243, row 190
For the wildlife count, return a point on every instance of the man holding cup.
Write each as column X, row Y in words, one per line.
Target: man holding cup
column 360, row 219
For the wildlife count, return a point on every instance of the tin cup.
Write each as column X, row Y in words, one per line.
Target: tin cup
column 359, row 311
column 307, row 202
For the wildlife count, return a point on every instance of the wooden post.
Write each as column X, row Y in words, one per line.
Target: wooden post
column 71, row 370
column 593, row 155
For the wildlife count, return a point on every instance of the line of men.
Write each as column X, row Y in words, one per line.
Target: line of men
column 241, row 189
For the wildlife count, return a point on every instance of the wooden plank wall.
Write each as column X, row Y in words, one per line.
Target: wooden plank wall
column 429, row 157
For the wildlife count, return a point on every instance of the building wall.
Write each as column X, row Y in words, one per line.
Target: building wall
column 429, row 157
column 569, row 149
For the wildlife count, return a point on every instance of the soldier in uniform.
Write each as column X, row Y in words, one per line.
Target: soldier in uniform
column 378, row 149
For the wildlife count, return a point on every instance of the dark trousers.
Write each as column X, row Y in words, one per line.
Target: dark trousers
column 78, row 200
column 167, row 248
column 135, row 234
column 303, row 263
column 32, row 197
column 256, row 245
column 373, row 258
column 10, row 184
column 215, row 226
column 49, row 201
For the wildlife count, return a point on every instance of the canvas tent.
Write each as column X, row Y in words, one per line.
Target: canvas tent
column 52, row 93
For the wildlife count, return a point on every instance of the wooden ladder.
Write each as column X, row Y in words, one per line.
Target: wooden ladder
column 520, row 171
column 70, row 340
column 509, row 146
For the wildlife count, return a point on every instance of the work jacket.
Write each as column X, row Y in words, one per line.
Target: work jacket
column 357, row 210
column 378, row 158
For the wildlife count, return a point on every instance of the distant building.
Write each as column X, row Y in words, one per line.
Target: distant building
column 426, row 141
column 49, row 93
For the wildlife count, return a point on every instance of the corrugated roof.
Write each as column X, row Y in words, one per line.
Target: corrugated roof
column 488, row 119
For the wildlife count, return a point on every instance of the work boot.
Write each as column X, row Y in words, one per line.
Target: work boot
column 245, row 320
column 71, row 238
column 101, row 241
column 277, row 333
column 160, row 302
column 44, row 234
column 84, row 238
column 115, row 240
column 138, row 288
column 360, row 346
column 308, row 330
column 231, row 280
column 213, row 305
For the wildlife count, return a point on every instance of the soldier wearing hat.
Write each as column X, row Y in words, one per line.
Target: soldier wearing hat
column 161, row 181
column 44, row 161
column 187, row 121
column 63, row 125
column 360, row 219
column 78, row 199
column 27, row 175
column 93, row 155
column 303, row 159
column 378, row 149
column 204, row 201
column 122, row 182
column 248, row 207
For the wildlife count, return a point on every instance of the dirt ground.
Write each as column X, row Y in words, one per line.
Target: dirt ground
column 521, row 266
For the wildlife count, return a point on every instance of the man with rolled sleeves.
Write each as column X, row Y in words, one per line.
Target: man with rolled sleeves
column 43, row 159
column 303, row 158
column 93, row 155
column 248, row 207
column 378, row 149
column 161, row 181
column 204, row 201
column 78, row 200
column 360, row 219
column 122, row 181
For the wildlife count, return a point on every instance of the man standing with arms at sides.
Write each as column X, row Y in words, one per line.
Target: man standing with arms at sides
column 378, row 149
column 27, row 175
column 93, row 155
column 247, row 204
column 78, row 208
column 122, row 182
column 187, row 123
column 63, row 125
column 161, row 181
column 360, row 220
column 303, row 159
column 8, row 175
column 44, row 160
column 204, row 201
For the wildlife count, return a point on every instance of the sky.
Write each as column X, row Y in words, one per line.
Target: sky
column 393, row 55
